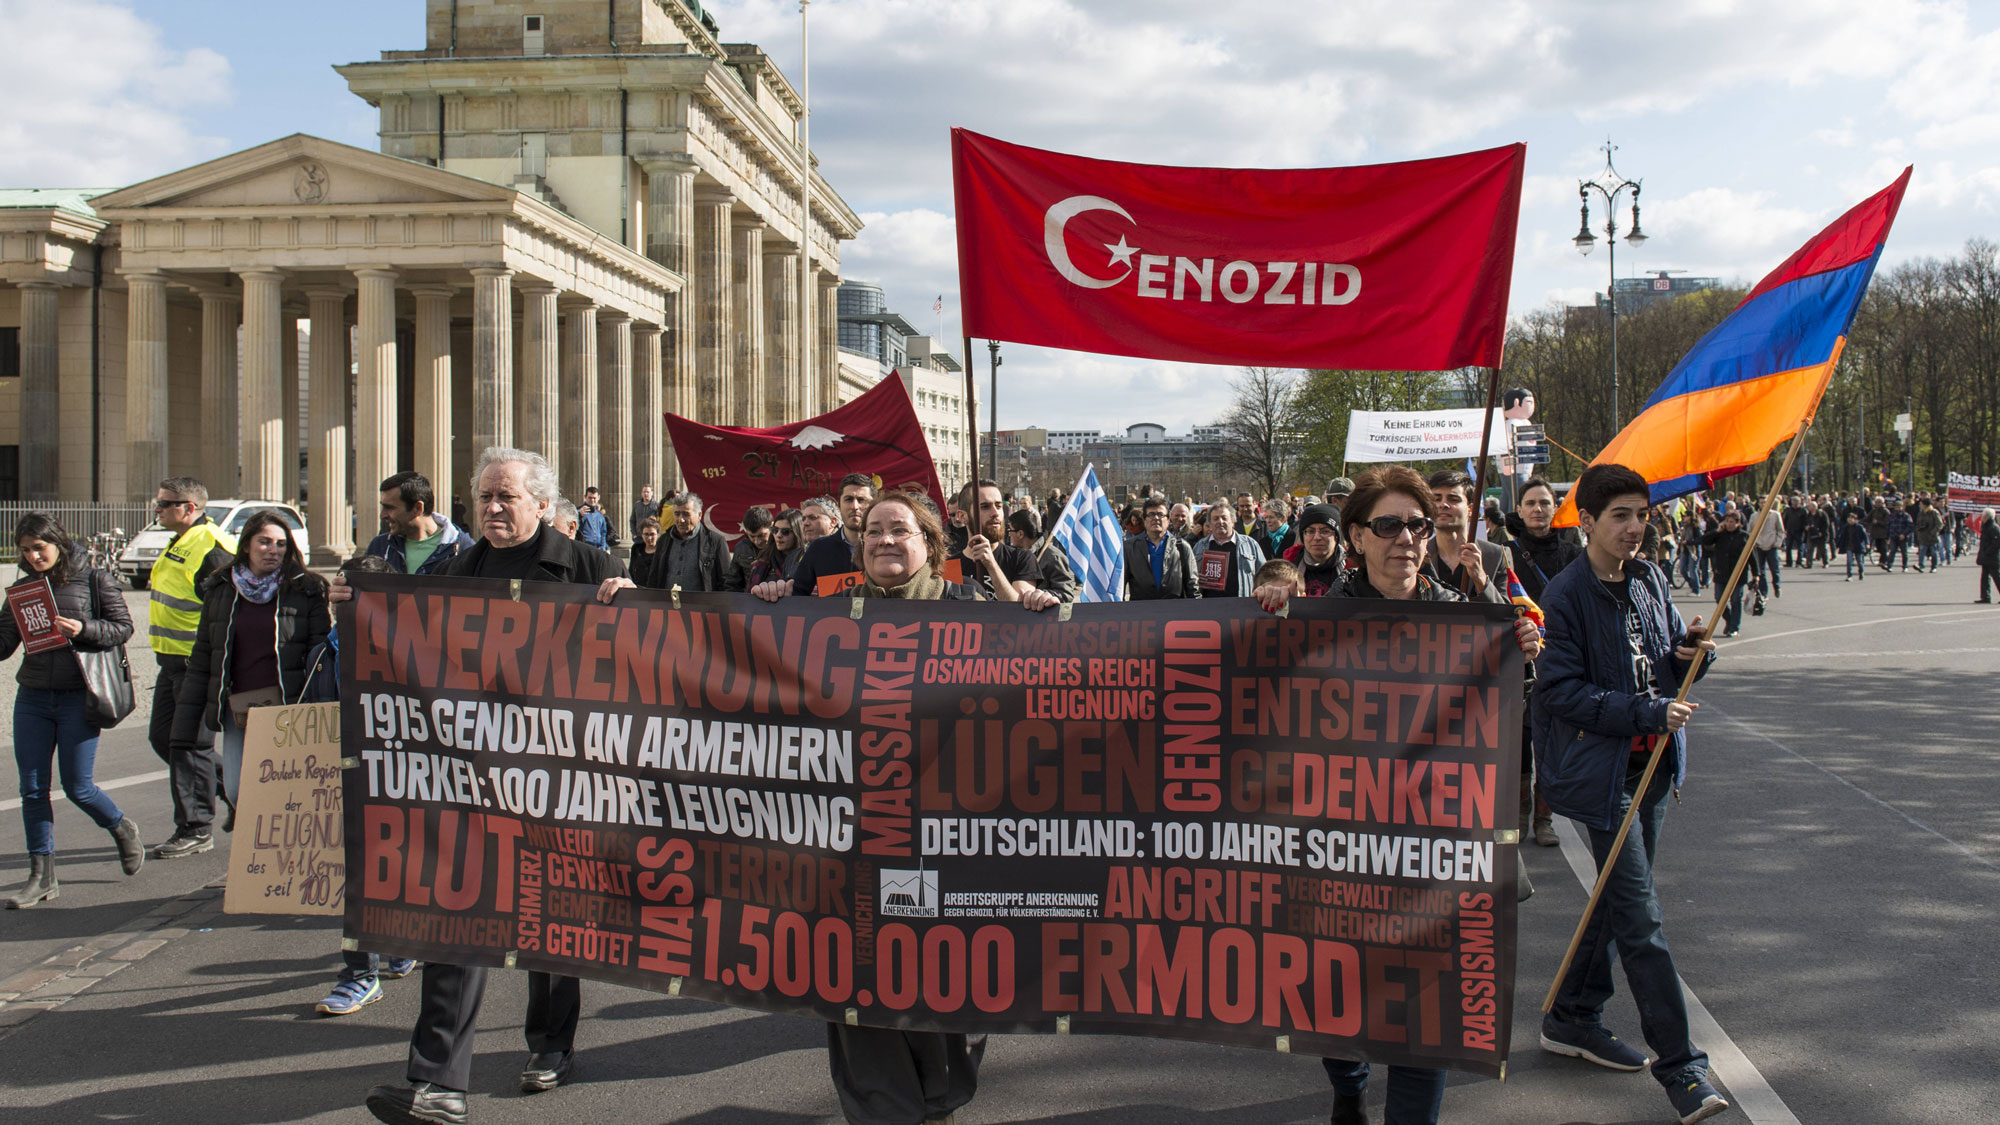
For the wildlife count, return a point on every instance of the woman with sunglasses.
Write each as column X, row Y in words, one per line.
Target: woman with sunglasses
column 52, row 725
column 779, row 557
column 1389, row 521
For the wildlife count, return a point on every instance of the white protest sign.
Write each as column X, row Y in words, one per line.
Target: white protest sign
column 1421, row 435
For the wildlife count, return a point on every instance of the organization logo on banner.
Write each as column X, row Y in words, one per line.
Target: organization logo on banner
column 911, row 894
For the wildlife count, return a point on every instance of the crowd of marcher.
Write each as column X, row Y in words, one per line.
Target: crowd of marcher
column 236, row 622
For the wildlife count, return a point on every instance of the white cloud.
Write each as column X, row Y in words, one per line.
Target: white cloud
column 97, row 97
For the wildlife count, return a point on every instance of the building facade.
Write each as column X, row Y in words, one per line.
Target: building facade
column 876, row 342
column 584, row 215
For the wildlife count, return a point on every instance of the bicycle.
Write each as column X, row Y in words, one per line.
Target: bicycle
column 102, row 550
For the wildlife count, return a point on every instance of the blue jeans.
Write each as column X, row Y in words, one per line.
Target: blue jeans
column 1766, row 560
column 1857, row 564
column 52, row 729
column 1691, row 568
column 1416, row 1094
column 1629, row 915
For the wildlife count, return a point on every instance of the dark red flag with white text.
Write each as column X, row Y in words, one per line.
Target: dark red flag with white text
column 1385, row 266
column 736, row 468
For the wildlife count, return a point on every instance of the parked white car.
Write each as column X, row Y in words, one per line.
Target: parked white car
column 135, row 562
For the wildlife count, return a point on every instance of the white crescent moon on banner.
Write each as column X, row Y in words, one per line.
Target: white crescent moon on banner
column 1057, row 218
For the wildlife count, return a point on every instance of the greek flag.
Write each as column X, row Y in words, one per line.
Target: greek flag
column 1089, row 532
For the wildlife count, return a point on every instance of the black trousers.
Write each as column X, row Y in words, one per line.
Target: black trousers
column 890, row 1077
column 195, row 775
column 448, row 1015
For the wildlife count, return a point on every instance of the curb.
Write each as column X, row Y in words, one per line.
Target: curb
column 61, row 976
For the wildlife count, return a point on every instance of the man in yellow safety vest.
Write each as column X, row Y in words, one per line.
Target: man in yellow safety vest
column 199, row 549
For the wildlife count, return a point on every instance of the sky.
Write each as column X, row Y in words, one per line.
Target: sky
column 1752, row 124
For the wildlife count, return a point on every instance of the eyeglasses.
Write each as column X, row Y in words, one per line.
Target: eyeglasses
column 1389, row 527
column 888, row 535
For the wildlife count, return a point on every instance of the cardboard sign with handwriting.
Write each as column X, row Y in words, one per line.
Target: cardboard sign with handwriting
column 286, row 856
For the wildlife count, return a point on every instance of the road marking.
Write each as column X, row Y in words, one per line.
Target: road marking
column 1735, row 642
column 1870, row 797
column 1749, row 1091
column 120, row 783
column 1859, row 654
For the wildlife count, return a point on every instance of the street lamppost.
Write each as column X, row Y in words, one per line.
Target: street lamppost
column 993, row 408
column 1609, row 185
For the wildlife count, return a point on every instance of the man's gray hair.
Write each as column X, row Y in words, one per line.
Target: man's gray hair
column 685, row 498
column 1987, row 515
column 827, row 506
column 560, row 510
column 187, row 488
column 539, row 477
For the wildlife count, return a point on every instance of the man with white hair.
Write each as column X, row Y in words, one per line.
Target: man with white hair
column 513, row 491
column 563, row 517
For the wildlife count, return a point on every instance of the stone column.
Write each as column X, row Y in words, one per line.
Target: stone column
column 670, row 242
column 224, row 452
column 826, row 327
column 433, row 398
column 262, row 459
column 492, row 358
column 579, row 398
column 649, row 428
column 614, row 406
column 784, row 397
column 41, row 403
column 328, row 525
column 145, row 383
column 288, row 397
column 374, row 384
column 715, row 384
column 537, row 399
column 746, row 288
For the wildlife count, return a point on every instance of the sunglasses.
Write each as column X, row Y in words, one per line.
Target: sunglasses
column 163, row 505
column 1388, row 527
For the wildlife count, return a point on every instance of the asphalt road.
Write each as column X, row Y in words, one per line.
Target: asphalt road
column 1828, row 881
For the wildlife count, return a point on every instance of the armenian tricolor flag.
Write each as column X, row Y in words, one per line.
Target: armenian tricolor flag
column 1757, row 377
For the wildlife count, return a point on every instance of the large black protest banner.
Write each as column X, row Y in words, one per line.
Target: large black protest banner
column 1207, row 822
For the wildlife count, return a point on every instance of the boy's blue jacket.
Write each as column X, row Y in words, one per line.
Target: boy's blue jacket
column 1588, row 706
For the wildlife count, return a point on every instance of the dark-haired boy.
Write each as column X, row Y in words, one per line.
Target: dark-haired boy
column 1615, row 649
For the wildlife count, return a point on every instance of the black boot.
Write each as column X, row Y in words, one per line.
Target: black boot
column 41, row 883
column 131, row 853
column 1349, row 1109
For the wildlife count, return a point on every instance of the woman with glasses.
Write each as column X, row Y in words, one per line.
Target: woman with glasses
column 779, row 557
column 1389, row 521
column 52, row 726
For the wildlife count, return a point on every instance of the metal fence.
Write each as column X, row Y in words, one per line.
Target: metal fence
column 81, row 520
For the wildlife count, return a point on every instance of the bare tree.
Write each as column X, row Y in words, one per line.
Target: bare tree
column 1261, row 439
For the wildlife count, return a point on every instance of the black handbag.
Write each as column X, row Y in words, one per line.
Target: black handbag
column 107, row 675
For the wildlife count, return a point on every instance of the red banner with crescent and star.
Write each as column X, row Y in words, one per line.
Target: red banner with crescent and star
column 736, row 468
column 1385, row 266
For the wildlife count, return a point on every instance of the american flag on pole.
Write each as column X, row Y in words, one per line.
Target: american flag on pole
column 1089, row 532
column 938, row 305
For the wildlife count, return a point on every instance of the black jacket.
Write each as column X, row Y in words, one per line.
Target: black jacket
column 1989, row 544
column 736, row 576
column 1539, row 558
column 1177, row 571
column 303, row 622
column 1724, row 548
column 111, row 627
column 711, row 561
column 825, row 557
column 649, row 571
column 561, row 559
